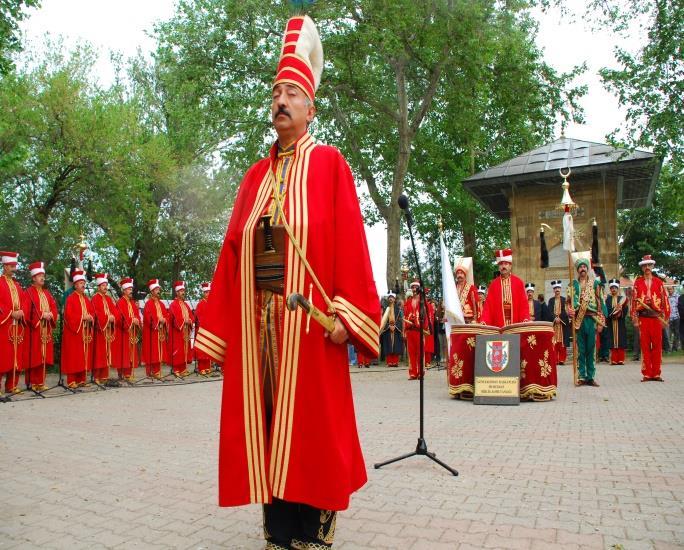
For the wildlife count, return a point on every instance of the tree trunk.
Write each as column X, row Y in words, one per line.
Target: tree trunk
column 393, row 268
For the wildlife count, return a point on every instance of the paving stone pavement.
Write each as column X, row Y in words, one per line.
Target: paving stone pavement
column 136, row 468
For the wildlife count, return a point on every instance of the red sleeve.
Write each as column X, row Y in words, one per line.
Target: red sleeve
column 53, row 309
column 354, row 294
column 72, row 313
column 150, row 315
column 519, row 297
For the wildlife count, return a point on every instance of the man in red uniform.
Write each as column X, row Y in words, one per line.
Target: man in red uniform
column 181, row 319
column 506, row 301
column 481, row 296
column 107, row 347
column 288, row 429
column 42, row 320
column 203, row 359
column 429, row 329
column 467, row 293
column 77, row 333
column 651, row 311
column 131, row 330
column 13, row 319
column 155, row 332
column 412, row 325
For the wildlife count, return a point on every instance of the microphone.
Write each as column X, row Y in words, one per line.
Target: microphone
column 403, row 203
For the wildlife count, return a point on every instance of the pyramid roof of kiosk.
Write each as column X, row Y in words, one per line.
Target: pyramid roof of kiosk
column 636, row 173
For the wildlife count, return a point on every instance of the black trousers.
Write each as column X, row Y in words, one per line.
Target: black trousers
column 290, row 525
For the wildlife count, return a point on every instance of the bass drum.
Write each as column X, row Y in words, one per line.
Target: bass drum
column 538, row 372
column 461, row 364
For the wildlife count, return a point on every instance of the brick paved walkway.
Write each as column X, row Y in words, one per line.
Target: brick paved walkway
column 136, row 468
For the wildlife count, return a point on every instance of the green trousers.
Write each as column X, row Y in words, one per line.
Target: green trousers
column 586, row 344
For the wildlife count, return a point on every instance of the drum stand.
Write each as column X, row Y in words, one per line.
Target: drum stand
column 421, row 447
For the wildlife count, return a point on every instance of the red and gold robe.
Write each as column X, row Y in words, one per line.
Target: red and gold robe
column 131, row 333
column 650, row 305
column 40, row 348
column 312, row 454
column 77, row 335
column 12, row 331
column 506, row 303
column 467, row 294
column 107, row 346
column 155, row 335
column 179, row 338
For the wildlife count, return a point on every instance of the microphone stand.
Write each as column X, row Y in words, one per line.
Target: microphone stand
column 421, row 447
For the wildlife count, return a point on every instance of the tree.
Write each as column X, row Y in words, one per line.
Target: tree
column 415, row 94
column 11, row 13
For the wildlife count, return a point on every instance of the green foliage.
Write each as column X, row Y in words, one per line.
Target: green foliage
column 11, row 13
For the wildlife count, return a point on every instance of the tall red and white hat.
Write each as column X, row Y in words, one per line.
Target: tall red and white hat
column 301, row 57
column 503, row 255
column 179, row 285
column 36, row 268
column 646, row 260
column 206, row 287
column 152, row 284
column 9, row 258
column 125, row 283
column 79, row 275
column 101, row 278
column 415, row 284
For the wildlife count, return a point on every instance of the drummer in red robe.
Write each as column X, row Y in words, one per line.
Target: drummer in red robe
column 651, row 312
column 412, row 324
column 429, row 329
column 107, row 346
column 467, row 293
column 506, row 301
column 77, row 333
column 481, row 296
column 181, row 320
column 13, row 320
column 203, row 359
column 288, row 429
column 131, row 330
column 42, row 320
column 155, row 331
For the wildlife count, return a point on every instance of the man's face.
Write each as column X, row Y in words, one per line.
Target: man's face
column 79, row 286
column 181, row 293
column 530, row 294
column 206, row 294
column 670, row 290
column 505, row 268
column 460, row 276
column 391, row 299
column 647, row 269
column 39, row 280
column 582, row 271
column 102, row 288
column 156, row 292
column 556, row 291
column 128, row 292
column 613, row 290
column 9, row 269
column 291, row 110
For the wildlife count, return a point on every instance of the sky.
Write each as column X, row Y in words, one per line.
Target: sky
column 124, row 26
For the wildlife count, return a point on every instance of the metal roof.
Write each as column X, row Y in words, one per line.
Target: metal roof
column 636, row 172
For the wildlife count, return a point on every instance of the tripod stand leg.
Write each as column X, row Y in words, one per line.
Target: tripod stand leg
column 392, row 460
column 432, row 457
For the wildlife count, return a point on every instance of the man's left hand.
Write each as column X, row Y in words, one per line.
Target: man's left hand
column 340, row 334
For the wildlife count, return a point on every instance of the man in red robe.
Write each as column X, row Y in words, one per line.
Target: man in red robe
column 131, row 330
column 506, row 301
column 481, row 296
column 155, row 332
column 42, row 320
column 288, row 429
column 13, row 319
column 651, row 312
column 77, row 333
column 467, row 293
column 429, row 330
column 412, row 327
column 181, row 319
column 107, row 347
column 203, row 359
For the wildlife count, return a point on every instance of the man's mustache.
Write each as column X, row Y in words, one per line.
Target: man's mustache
column 282, row 111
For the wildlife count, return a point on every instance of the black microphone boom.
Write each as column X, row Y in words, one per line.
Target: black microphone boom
column 403, row 203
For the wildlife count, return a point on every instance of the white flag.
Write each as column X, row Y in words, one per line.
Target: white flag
column 568, row 233
column 452, row 305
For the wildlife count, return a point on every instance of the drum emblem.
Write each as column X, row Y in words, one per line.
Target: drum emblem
column 497, row 355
